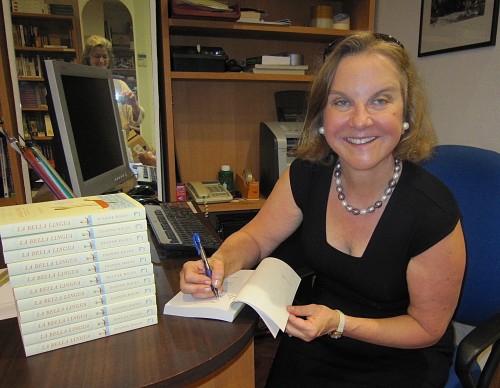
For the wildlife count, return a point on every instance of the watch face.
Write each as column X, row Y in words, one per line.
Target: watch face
column 335, row 334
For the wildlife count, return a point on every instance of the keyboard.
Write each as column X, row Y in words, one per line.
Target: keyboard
column 173, row 225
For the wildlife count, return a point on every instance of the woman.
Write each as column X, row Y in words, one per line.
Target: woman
column 382, row 235
column 98, row 52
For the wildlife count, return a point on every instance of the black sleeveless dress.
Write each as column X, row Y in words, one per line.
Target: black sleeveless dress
column 420, row 212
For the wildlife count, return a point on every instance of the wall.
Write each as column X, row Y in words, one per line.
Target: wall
column 463, row 87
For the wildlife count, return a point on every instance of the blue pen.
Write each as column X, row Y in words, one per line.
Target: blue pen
column 201, row 252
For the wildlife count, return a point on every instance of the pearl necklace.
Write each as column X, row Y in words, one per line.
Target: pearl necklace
column 337, row 172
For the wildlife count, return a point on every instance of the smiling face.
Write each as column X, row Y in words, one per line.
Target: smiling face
column 363, row 117
column 99, row 57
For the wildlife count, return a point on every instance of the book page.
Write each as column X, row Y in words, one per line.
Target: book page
column 186, row 305
column 271, row 288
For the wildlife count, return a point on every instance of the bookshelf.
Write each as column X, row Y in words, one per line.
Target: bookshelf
column 35, row 38
column 213, row 118
column 14, row 175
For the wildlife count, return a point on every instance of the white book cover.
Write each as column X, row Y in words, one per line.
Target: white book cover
column 82, row 281
column 68, row 235
column 84, row 326
column 97, row 305
column 74, row 247
column 268, row 290
column 79, row 258
column 79, row 270
column 40, row 217
column 85, row 315
column 91, row 335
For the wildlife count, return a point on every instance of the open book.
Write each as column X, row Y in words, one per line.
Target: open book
column 268, row 290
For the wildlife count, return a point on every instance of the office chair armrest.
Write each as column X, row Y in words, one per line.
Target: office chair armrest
column 473, row 344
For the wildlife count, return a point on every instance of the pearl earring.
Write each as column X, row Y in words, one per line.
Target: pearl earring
column 406, row 126
column 321, row 130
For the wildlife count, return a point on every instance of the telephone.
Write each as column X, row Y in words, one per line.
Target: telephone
column 208, row 192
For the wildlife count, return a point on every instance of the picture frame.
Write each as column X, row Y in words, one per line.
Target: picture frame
column 452, row 25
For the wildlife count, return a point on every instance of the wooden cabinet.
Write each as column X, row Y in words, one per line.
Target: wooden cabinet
column 8, row 113
column 35, row 38
column 213, row 118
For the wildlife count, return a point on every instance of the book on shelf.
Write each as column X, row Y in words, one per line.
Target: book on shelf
column 267, row 60
column 279, row 71
column 68, row 213
column 4, row 169
column 39, row 307
column 90, row 335
column 268, row 290
column 88, row 257
column 29, row 6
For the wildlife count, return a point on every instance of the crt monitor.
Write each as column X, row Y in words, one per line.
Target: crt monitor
column 90, row 150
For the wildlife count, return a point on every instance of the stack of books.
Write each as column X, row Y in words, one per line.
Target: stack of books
column 273, row 64
column 61, row 9
column 80, row 269
column 29, row 6
column 280, row 69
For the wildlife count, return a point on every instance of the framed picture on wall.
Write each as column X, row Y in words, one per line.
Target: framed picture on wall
column 452, row 25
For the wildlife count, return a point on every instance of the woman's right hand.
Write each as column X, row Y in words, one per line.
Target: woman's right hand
column 194, row 281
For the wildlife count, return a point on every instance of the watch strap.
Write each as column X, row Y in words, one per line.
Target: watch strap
column 336, row 334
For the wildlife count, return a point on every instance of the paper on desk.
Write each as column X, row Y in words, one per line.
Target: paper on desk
column 7, row 302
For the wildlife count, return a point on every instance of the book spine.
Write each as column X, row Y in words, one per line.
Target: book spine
column 91, row 232
column 80, row 270
column 74, row 247
column 97, row 323
column 96, row 256
column 85, row 315
column 3, row 168
column 68, row 213
column 79, row 282
column 74, row 339
column 131, row 298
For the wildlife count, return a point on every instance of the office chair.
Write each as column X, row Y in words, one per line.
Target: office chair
column 473, row 175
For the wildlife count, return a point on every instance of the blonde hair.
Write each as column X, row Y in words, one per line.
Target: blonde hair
column 92, row 43
column 416, row 143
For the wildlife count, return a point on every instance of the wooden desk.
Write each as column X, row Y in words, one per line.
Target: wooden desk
column 175, row 352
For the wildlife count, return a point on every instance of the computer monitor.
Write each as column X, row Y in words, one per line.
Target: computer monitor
column 90, row 150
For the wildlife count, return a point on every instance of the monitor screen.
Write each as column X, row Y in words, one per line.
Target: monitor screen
column 90, row 150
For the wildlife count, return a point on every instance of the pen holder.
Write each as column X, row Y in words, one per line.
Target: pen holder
column 248, row 187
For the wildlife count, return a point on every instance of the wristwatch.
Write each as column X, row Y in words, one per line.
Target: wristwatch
column 336, row 334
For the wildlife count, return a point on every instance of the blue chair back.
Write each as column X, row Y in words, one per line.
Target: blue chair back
column 473, row 175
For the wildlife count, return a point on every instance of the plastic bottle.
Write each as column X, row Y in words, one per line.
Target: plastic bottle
column 226, row 177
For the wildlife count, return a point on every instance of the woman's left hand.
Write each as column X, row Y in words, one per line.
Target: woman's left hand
column 129, row 98
column 311, row 321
